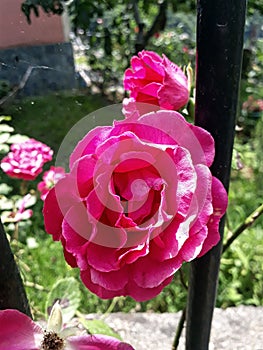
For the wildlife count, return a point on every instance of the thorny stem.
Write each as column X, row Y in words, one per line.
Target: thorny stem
column 179, row 330
column 242, row 227
column 182, row 279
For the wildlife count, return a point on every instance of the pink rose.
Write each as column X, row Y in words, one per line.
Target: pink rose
column 19, row 332
column 50, row 178
column 155, row 80
column 139, row 200
column 26, row 159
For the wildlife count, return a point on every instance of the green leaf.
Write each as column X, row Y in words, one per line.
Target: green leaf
column 5, row 189
column 4, row 137
column 98, row 327
column 17, row 138
column 67, row 291
column 4, row 148
column 6, row 128
column 6, row 118
column 6, row 204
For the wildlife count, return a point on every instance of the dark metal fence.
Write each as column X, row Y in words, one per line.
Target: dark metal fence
column 220, row 32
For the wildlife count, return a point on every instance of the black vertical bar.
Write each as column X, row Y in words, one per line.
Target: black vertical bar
column 12, row 292
column 220, row 31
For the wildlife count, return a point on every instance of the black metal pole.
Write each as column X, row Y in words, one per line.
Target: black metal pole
column 220, row 31
column 12, row 292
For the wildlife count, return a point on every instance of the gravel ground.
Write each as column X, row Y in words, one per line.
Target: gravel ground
column 237, row 328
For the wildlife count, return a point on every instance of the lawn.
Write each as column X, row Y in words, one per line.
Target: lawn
column 49, row 119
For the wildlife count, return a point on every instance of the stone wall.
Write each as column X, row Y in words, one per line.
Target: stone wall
column 50, row 68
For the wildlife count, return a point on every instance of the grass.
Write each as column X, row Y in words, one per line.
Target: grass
column 241, row 280
column 48, row 119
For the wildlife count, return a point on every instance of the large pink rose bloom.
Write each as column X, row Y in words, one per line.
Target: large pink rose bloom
column 19, row 332
column 139, row 200
column 156, row 80
column 26, row 159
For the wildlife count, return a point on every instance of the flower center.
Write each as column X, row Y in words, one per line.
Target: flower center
column 52, row 341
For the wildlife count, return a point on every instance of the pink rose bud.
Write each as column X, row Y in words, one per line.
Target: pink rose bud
column 156, row 80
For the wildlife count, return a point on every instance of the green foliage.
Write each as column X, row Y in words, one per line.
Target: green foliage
column 6, row 134
column 49, row 6
column 177, row 41
column 98, row 327
column 49, row 118
column 255, row 5
column 5, row 88
column 84, row 10
column 111, row 32
column 241, row 280
column 241, row 271
column 67, row 292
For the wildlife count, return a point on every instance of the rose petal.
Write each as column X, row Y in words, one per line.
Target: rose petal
column 173, row 129
column 193, row 245
column 219, row 201
column 89, row 143
column 173, row 94
column 97, row 342
column 152, row 60
column 82, row 175
column 170, row 128
column 112, row 280
column 131, row 289
column 58, row 201
column 18, row 331
column 149, row 273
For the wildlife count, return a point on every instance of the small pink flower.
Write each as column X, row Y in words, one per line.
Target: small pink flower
column 252, row 105
column 19, row 332
column 21, row 213
column 50, row 178
column 138, row 202
column 26, row 159
column 156, row 80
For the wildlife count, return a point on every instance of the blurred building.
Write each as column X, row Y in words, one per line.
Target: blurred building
column 36, row 56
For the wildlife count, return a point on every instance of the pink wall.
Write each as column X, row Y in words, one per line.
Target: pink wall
column 15, row 31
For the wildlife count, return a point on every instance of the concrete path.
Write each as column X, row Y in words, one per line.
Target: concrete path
column 239, row 328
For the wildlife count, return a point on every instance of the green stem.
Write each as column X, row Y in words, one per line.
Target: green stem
column 111, row 306
column 15, row 234
column 179, row 330
column 242, row 227
column 23, row 187
column 183, row 280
